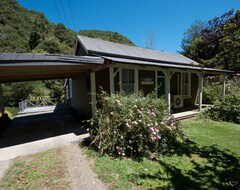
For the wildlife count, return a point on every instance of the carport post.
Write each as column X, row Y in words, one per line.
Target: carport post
column 1, row 100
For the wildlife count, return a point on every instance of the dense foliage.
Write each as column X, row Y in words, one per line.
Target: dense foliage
column 212, row 90
column 133, row 126
column 14, row 93
column 216, row 43
column 226, row 109
column 27, row 31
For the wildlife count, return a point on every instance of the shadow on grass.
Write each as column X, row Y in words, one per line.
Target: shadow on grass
column 210, row 169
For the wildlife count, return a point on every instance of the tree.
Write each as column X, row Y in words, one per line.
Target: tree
column 65, row 35
column 40, row 31
column 16, row 92
column 191, row 35
column 150, row 41
column 218, row 44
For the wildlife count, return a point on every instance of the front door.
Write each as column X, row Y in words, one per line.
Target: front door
column 160, row 86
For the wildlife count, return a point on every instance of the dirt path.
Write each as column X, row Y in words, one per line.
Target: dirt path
column 80, row 173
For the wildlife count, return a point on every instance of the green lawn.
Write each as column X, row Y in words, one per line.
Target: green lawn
column 211, row 160
column 44, row 170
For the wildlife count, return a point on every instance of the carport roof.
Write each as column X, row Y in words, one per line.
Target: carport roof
column 44, row 59
column 16, row 67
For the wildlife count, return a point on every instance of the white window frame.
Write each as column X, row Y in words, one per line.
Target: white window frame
column 128, row 83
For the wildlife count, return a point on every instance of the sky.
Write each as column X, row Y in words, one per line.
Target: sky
column 136, row 19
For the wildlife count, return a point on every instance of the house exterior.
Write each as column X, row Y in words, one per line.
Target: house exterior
column 130, row 69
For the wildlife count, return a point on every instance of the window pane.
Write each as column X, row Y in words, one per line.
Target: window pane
column 128, row 80
column 185, row 90
column 124, row 76
column 131, row 76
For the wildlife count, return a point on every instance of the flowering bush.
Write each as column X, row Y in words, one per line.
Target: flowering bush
column 133, row 126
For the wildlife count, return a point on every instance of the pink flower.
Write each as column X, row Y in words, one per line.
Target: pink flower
column 153, row 114
column 127, row 125
column 139, row 111
column 135, row 122
column 118, row 102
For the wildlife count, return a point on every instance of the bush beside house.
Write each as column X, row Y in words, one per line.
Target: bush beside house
column 133, row 126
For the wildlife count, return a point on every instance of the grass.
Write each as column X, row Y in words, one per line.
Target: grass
column 41, row 171
column 11, row 111
column 223, row 135
column 211, row 160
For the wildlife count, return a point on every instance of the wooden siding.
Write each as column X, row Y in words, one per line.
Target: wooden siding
column 116, row 81
column 80, row 50
column 146, row 88
column 81, row 95
column 102, row 80
column 174, row 84
column 194, row 91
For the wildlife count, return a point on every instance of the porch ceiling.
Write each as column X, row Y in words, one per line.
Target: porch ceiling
column 25, row 67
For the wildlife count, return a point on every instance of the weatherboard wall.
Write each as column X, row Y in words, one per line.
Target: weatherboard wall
column 146, row 88
column 81, row 95
column 102, row 80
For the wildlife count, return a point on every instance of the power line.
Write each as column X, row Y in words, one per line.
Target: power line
column 74, row 24
column 64, row 13
column 58, row 12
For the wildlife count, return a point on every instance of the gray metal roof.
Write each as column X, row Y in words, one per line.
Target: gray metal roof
column 100, row 47
column 139, row 62
column 46, row 59
column 15, row 67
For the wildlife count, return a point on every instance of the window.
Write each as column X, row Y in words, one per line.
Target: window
column 128, row 81
column 184, row 84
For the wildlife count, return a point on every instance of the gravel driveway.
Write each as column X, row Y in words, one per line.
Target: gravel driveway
column 80, row 173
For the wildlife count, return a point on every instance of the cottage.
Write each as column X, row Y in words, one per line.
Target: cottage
column 131, row 69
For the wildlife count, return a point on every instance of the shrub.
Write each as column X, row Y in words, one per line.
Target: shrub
column 211, row 93
column 133, row 126
column 233, row 85
column 212, row 90
column 226, row 109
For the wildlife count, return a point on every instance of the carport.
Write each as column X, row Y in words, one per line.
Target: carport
column 41, row 131
column 18, row 67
